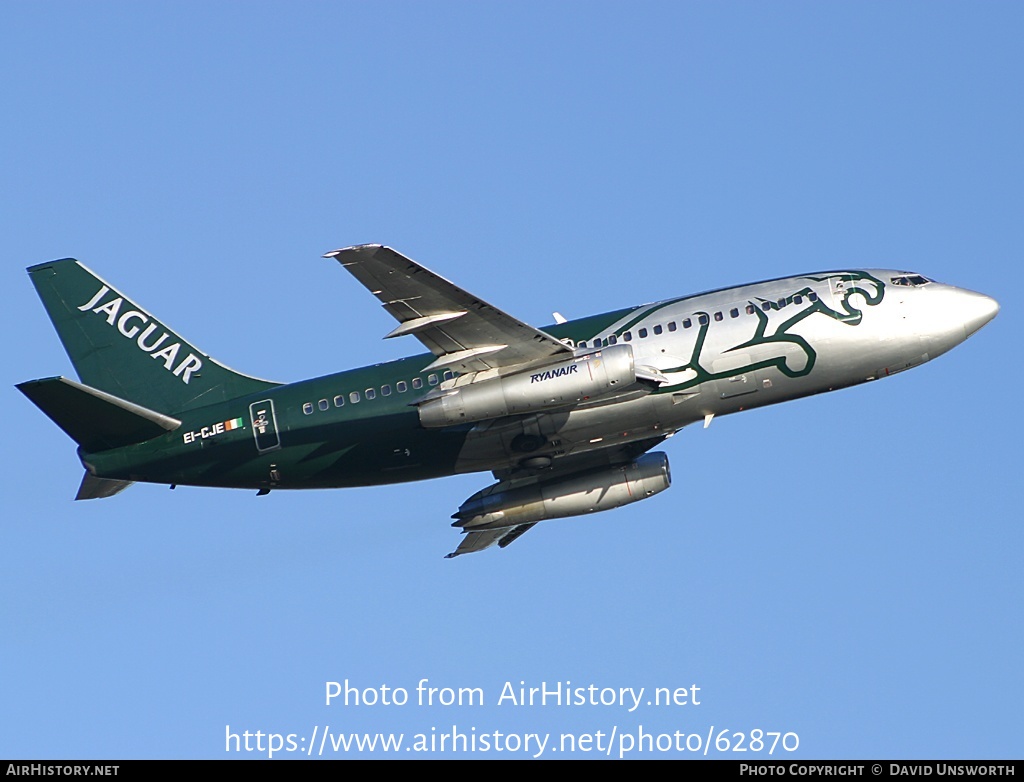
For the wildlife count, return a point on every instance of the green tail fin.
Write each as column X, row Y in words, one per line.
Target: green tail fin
column 93, row 419
column 118, row 347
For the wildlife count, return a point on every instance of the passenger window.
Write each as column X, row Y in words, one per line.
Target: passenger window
column 353, row 397
column 718, row 316
column 798, row 299
column 750, row 309
column 628, row 336
column 767, row 305
column 781, row 303
column 702, row 319
column 371, row 393
column 812, row 296
column 687, row 323
column 339, row 400
column 671, row 325
column 385, row 389
column 658, row 329
column 402, row 386
column 642, row 333
column 448, row 375
column 307, row 408
column 734, row 313
column 613, row 340
column 417, row 382
column 583, row 344
column 323, row 404
column 432, row 379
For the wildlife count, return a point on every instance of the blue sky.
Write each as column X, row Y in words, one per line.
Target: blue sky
column 846, row 567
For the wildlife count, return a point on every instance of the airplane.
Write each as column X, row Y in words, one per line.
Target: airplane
column 565, row 417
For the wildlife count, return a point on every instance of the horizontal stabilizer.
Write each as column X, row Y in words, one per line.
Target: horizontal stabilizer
column 94, row 488
column 94, row 419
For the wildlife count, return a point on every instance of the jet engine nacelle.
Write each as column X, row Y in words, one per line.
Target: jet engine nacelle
column 613, row 487
column 555, row 385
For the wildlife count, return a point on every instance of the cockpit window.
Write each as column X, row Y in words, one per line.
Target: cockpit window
column 910, row 280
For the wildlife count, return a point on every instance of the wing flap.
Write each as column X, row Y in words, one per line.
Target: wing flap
column 419, row 324
column 484, row 539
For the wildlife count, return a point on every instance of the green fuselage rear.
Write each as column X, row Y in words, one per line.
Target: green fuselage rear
column 372, row 441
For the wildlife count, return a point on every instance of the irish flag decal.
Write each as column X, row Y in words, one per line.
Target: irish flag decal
column 235, row 423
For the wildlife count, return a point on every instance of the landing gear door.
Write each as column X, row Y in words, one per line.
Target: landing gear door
column 264, row 426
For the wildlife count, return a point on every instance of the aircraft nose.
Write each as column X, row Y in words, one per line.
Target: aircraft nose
column 976, row 309
column 949, row 315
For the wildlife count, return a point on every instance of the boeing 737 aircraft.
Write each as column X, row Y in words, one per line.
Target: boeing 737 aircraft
column 565, row 417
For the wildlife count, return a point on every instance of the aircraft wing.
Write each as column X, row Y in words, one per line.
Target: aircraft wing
column 463, row 331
